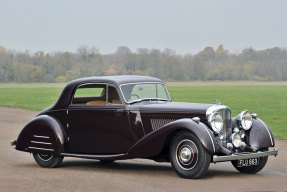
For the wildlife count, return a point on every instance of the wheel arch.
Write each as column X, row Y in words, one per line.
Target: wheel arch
column 44, row 134
column 260, row 135
column 157, row 142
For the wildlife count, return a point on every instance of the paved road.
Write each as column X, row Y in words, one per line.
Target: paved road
column 19, row 172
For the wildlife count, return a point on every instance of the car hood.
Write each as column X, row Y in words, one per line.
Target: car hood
column 175, row 107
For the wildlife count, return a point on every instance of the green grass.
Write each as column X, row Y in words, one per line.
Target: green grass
column 29, row 98
column 267, row 99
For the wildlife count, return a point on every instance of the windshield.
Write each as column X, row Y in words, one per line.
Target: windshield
column 144, row 91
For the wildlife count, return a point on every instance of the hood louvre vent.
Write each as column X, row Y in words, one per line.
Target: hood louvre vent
column 157, row 123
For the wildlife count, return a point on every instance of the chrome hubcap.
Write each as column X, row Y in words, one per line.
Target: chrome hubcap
column 45, row 157
column 185, row 154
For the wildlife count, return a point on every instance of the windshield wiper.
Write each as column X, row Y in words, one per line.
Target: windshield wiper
column 147, row 99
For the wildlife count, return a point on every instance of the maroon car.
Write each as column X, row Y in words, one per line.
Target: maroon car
column 123, row 117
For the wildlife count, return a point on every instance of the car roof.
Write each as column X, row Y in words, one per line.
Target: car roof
column 116, row 79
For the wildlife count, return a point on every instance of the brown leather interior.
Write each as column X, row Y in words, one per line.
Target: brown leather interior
column 96, row 103
column 116, row 101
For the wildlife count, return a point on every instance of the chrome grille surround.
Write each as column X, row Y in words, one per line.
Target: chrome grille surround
column 225, row 112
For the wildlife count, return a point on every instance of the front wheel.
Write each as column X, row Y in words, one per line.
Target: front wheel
column 253, row 168
column 188, row 157
column 48, row 161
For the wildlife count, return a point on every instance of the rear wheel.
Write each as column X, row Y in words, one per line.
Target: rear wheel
column 48, row 161
column 253, row 168
column 188, row 157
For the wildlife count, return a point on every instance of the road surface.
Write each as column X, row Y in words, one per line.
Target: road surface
column 19, row 172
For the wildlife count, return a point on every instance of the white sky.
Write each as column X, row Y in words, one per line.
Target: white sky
column 187, row 26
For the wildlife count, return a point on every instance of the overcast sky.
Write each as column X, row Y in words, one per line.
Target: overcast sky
column 187, row 26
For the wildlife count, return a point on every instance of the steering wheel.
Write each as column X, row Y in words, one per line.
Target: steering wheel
column 135, row 95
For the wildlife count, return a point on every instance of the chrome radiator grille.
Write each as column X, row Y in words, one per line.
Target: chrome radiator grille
column 227, row 127
column 225, row 112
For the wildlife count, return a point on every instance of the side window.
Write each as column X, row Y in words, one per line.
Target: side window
column 96, row 94
column 90, row 94
column 113, row 96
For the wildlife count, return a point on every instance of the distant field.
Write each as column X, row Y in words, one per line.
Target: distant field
column 267, row 99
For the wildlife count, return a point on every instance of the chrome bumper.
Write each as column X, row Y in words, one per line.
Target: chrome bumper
column 244, row 156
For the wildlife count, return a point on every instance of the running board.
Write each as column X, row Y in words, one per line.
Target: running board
column 99, row 157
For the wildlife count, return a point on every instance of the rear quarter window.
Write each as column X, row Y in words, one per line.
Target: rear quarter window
column 89, row 92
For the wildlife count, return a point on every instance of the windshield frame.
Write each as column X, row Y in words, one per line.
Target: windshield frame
column 129, row 102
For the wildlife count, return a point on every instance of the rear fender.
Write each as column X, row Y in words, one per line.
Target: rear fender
column 260, row 135
column 152, row 144
column 43, row 134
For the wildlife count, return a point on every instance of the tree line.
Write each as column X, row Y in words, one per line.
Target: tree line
column 208, row 64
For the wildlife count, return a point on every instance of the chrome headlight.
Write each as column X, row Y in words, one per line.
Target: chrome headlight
column 245, row 120
column 216, row 122
column 236, row 139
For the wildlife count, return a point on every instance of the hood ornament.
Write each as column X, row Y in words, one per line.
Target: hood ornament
column 218, row 102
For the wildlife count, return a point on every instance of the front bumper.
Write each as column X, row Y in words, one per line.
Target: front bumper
column 244, row 155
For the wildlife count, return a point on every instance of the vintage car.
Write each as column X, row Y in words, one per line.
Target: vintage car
column 112, row 118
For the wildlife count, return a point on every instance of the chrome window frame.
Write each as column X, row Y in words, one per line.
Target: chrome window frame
column 106, row 90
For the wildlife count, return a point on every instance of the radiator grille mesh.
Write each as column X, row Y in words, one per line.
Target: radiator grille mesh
column 157, row 123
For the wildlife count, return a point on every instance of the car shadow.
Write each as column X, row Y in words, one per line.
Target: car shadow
column 138, row 167
column 142, row 168
column 118, row 165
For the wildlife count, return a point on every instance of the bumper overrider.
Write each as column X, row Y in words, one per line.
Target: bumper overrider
column 239, row 156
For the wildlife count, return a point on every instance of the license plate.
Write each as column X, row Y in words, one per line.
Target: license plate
column 248, row 162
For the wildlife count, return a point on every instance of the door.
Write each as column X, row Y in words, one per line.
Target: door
column 98, row 122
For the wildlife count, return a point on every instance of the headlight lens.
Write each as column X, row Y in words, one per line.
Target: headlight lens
column 236, row 139
column 245, row 120
column 216, row 122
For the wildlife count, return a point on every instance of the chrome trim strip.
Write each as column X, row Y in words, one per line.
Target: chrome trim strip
column 91, row 156
column 44, row 143
column 209, row 135
column 40, row 136
column 267, row 131
column 41, row 148
column 244, row 156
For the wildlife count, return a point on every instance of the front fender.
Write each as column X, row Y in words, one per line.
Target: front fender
column 260, row 135
column 152, row 144
column 42, row 135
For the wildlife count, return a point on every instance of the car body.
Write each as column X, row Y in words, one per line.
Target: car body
column 112, row 118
